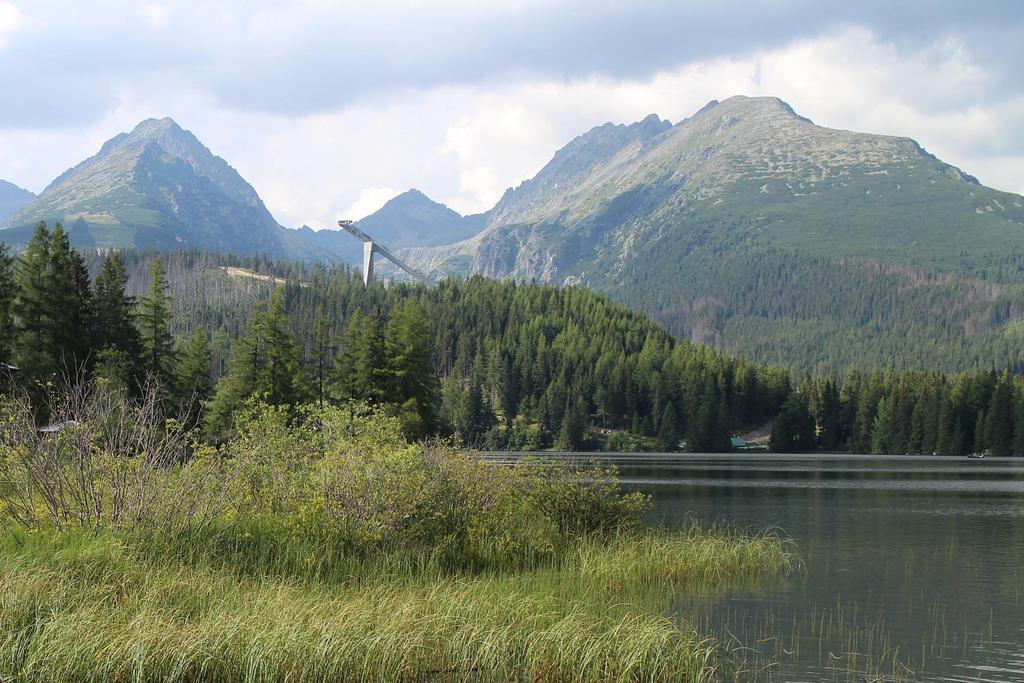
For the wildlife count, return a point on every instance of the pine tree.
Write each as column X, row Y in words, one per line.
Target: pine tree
column 323, row 351
column 158, row 354
column 1018, row 425
column 668, row 429
column 8, row 289
column 193, row 379
column 710, row 431
column 281, row 380
column 35, row 319
column 235, row 386
column 476, row 416
column 341, row 378
column 830, row 430
column 114, row 310
column 573, row 434
column 411, row 364
column 999, row 418
column 70, row 297
column 881, row 431
column 371, row 378
column 793, row 428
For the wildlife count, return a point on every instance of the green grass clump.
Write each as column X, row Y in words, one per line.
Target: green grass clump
column 87, row 608
column 322, row 547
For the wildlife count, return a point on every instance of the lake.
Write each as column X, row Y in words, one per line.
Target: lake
column 913, row 566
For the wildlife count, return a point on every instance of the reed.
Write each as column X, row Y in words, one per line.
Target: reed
column 322, row 548
column 83, row 607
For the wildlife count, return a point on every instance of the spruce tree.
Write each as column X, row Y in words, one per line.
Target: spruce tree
column 281, row 379
column 114, row 310
column 411, row 363
column 193, row 380
column 573, row 434
column 70, row 299
column 158, row 353
column 1018, row 425
column 371, row 376
column 830, row 430
column 323, row 350
column 8, row 289
column 341, row 377
column 1000, row 418
column 668, row 429
column 793, row 428
column 35, row 319
column 476, row 415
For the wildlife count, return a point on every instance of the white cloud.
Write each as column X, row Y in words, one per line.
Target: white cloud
column 11, row 19
column 368, row 201
column 155, row 14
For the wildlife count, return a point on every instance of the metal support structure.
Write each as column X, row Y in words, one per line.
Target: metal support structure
column 370, row 248
column 367, row 263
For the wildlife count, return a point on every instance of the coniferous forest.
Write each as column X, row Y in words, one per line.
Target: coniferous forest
column 496, row 364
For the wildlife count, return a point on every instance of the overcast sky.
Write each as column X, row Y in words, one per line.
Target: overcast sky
column 330, row 108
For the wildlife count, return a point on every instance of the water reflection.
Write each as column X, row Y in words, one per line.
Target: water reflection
column 914, row 567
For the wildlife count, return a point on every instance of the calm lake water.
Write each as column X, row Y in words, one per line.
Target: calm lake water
column 913, row 566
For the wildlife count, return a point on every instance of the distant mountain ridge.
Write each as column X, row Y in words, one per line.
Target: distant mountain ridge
column 410, row 219
column 749, row 227
column 745, row 226
column 157, row 187
column 12, row 198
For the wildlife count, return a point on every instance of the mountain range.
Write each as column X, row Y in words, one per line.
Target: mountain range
column 745, row 226
column 749, row 227
column 159, row 187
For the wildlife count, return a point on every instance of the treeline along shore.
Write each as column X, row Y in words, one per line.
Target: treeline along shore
column 498, row 364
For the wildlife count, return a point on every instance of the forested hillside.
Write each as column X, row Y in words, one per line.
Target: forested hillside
column 748, row 227
column 500, row 365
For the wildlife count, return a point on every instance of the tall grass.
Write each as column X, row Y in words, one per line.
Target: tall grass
column 317, row 548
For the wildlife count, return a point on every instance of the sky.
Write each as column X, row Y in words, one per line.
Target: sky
column 331, row 108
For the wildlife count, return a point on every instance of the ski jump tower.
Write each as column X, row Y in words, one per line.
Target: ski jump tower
column 370, row 248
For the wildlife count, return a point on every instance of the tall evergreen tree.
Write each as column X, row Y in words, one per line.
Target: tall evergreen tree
column 793, row 428
column 829, row 417
column 371, row 377
column 8, row 289
column 476, row 416
column 114, row 310
column 1018, row 425
column 999, row 418
column 70, row 296
column 573, row 434
column 193, row 380
column 35, row 318
column 281, row 379
column 158, row 353
column 668, row 429
column 341, row 377
column 323, row 350
column 411, row 363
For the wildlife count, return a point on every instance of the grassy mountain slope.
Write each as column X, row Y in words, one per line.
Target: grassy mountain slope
column 750, row 227
column 158, row 187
